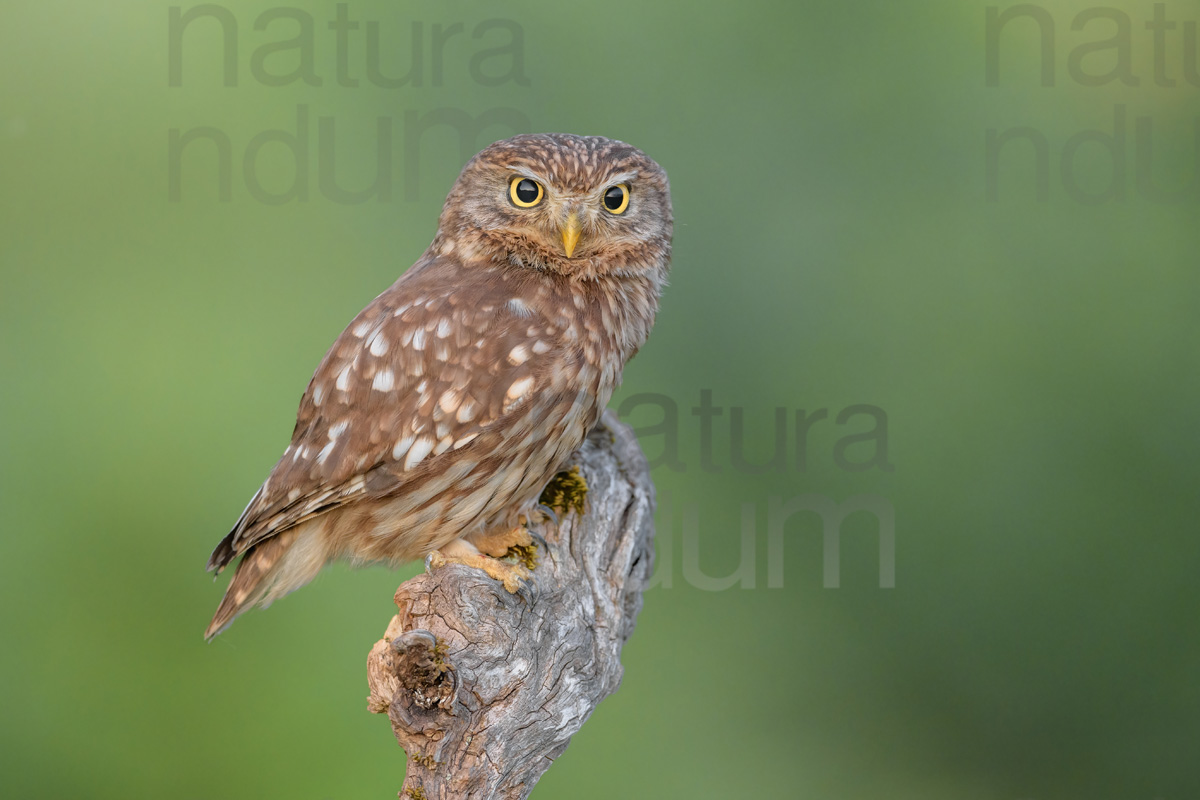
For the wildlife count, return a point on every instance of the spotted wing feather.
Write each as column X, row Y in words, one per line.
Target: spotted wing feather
column 430, row 365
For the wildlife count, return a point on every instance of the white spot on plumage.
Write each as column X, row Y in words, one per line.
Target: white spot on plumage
column 519, row 388
column 466, row 411
column 383, row 381
column 418, row 339
column 337, row 429
column 518, row 355
column 318, row 393
column 443, row 445
column 465, row 440
column 343, row 378
column 379, row 344
column 402, row 447
column 450, row 400
column 540, row 347
column 420, row 448
column 443, row 329
column 518, row 307
column 360, row 330
column 516, row 394
column 325, row 451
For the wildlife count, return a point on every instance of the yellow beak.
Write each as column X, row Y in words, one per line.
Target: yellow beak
column 570, row 233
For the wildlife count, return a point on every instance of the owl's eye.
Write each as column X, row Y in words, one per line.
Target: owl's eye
column 524, row 192
column 616, row 199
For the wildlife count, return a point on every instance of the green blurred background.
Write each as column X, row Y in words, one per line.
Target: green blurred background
column 835, row 245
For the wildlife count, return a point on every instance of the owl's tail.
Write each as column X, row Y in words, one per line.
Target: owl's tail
column 253, row 580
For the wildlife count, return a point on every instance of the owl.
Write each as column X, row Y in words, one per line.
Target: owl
column 439, row 414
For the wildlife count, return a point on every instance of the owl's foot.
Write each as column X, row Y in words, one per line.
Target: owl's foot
column 509, row 574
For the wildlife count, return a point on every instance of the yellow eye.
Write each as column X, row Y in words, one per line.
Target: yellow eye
column 616, row 199
column 524, row 192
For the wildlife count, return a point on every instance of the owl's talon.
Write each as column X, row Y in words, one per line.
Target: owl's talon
column 548, row 512
column 538, row 541
column 529, row 591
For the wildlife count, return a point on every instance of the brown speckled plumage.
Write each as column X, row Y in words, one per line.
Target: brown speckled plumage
column 450, row 400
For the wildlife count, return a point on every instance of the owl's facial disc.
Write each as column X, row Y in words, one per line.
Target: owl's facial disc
column 556, row 203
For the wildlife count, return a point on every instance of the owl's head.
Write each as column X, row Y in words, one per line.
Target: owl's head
column 583, row 206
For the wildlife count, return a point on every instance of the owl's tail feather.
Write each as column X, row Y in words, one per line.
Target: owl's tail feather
column 251, row 582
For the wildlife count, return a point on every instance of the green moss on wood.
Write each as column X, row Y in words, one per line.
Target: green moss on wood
column 567, row 491
column 524, row 554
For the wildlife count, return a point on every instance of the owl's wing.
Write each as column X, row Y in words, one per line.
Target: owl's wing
column 434, row 362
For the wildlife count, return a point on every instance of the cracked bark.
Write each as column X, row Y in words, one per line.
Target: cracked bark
column 484, row 689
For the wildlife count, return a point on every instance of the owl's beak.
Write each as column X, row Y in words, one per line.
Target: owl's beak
column 570, row 233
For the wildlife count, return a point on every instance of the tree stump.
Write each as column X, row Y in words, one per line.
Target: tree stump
column 485, row 688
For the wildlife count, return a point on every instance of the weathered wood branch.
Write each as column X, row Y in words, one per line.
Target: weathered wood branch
column 484, row 688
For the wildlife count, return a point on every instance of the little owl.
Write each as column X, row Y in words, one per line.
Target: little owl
column 437, row 417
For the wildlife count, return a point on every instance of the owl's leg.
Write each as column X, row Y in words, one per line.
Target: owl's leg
column 512, row 537
column 508, row 541
column 461, row 551
column 497, row 541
